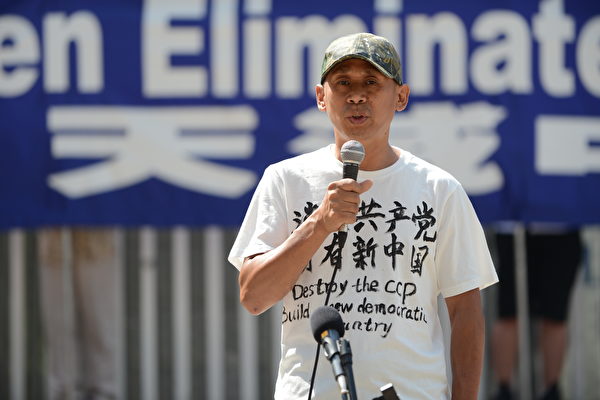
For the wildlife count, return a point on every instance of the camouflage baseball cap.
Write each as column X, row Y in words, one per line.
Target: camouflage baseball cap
column 375, row 49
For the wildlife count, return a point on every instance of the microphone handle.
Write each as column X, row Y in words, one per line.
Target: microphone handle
column 350, row 170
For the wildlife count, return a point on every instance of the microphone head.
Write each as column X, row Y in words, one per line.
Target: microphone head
column 352, row 152
column 325, row 318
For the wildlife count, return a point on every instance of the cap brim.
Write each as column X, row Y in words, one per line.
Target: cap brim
column 351, row 56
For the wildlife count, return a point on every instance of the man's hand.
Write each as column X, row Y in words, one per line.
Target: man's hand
column 340, row 204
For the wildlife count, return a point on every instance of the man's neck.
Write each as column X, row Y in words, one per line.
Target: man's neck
column 377, row 156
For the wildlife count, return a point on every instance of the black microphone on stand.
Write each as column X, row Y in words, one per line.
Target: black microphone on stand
column 352, row 154
column 328, row 327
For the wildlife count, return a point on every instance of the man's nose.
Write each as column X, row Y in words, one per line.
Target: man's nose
column 356, row 96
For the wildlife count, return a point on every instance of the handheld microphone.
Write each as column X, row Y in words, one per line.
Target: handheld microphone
column 327, row 327
column 352, row 153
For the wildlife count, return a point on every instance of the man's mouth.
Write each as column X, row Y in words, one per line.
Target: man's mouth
column 357, row 118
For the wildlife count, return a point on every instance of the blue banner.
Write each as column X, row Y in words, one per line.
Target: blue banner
column 167, row 112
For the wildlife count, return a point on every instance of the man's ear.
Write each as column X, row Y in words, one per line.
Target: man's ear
column 403, row 93
column 320, row 97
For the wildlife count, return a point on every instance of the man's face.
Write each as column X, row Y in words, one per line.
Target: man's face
column 360, row 101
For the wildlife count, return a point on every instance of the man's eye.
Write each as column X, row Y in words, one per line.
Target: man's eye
column 343, row 82
column 371, row 82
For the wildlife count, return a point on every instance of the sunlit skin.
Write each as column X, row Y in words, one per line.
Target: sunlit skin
column 361, row 102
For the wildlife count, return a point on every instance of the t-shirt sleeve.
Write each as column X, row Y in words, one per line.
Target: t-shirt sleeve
column 264, row 226
column 462, row 258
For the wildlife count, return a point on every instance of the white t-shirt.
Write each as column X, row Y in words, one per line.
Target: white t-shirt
column 416, row 236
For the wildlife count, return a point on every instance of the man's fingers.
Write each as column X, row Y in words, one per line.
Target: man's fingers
column 348, row 203
column 346, row 193
column 350, row 185
column 365, row 185
column 341, row 203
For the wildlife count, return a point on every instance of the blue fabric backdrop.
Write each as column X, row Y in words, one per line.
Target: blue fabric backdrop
column 167, row 112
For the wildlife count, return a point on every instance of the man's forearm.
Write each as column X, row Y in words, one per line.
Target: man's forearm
column 467, row 345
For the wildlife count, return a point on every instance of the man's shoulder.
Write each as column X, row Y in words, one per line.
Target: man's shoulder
column 316, row 159
column 430, row 172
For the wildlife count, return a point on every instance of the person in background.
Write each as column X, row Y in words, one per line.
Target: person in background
column 553, row 256
column 78, row 283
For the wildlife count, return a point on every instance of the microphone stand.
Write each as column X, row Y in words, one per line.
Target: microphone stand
column 346, row 357
column 342, row 235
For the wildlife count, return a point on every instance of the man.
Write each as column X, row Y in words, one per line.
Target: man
column 412, row 235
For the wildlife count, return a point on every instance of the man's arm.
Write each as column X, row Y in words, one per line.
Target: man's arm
column 467, row 341
column 266, row 278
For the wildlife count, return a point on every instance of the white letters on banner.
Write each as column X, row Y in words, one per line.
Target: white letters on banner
column 553, row 30
column 237, row 53
column 588, row 56
column 84, row 31
column 447, row 30
column 504, row 37
column 139, row 143
column 160, row 41
column 513, row 50
column 567, row 145
column 22, row 56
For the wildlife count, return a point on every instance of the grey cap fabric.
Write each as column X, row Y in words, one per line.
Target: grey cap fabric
column 375, row 49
